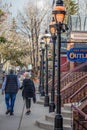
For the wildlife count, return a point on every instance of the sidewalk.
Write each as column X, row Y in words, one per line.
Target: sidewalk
column 28, row 122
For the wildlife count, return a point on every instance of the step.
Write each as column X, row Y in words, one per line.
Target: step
column 49, row 125
column 50, row 118
column 67, row 106
column 44, row 124
column 66, row 113
column 42, row 98
column 41, row 102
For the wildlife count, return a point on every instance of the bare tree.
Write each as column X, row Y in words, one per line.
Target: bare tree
column 31, row 25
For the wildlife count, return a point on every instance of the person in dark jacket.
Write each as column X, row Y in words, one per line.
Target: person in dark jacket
column 10, row 87
column 28, row 91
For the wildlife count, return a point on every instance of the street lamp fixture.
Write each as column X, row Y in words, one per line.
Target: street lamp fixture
column 46, row 39
column 58, row 14
column 42, row 44
column 53, row 35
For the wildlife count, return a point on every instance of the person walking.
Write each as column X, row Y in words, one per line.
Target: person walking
column 10, row 87
column 28, row 92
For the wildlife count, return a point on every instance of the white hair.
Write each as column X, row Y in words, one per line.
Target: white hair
column 27, row 75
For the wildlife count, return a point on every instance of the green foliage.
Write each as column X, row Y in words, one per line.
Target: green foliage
column 50, row 59
column 2, row 39
column 12, row 54
column 71, row 8
column 1, row 13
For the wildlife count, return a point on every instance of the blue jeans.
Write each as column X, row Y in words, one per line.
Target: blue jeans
column 10, row 101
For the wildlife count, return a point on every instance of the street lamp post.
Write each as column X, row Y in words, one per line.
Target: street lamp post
column 46, row 39
column 40, row 72
column 58, row 14
column 42, row 69
column 53, row 35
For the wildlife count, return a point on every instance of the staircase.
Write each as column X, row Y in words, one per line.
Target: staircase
column 73, row 89
column 47, row 122
column 79, row 116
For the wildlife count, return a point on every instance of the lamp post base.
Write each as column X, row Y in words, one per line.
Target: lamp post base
column 58, row 122
column 52, row 107
column 42, row 93
column 46, row 101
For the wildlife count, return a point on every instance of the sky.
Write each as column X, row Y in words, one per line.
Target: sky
column 20, row 4
column 16, row 5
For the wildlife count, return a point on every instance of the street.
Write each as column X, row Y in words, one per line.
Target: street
column 8, row 122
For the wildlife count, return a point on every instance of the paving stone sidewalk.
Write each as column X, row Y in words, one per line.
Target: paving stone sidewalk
column 28, row 122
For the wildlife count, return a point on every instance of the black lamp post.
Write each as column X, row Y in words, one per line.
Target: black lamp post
column 42, row 69
column 40, row 72
column 53, row 35
column 46, row 39
column 58, row 14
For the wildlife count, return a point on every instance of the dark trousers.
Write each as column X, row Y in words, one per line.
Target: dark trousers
column 28, row 103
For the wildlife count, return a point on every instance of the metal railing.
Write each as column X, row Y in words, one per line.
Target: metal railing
column 78, row 124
